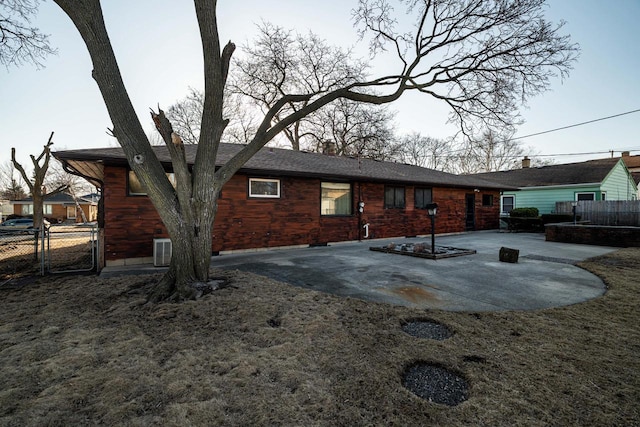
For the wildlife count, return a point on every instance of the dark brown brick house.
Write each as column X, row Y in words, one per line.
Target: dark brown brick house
column 285, row 198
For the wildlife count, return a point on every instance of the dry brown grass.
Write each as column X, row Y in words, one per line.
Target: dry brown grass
column 84, row 351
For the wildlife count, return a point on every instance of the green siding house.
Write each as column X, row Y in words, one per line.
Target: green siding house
column 542, row 187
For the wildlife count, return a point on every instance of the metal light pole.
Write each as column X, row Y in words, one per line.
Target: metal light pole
column 573, row 209
column 432, row 209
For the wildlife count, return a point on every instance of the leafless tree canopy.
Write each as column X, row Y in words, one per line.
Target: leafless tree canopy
column 279, row 62
column 37, row 187
column 425, row 151
column 20, row 42
column 481, row 58
column 10, row 188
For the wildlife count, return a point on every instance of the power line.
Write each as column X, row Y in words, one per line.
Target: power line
column 577, row 124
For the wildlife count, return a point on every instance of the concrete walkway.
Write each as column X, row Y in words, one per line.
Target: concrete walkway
column 544, row 276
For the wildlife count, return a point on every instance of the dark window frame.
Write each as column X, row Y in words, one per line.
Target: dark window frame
column 395, row 203
column 425, row 202
column 350, row 200
column 487, row 200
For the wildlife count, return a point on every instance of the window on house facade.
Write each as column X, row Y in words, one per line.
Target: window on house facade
column 507, row 203
column 487, row 200
column 422, row 197
column 47, row 209
column 27, row 210
column 264, row 187
column 134, row 187
column 394, row 197
column 335, row 198
column 603, row 196
column 585, row 196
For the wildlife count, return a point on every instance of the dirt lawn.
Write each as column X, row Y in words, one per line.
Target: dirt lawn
column 78, row 350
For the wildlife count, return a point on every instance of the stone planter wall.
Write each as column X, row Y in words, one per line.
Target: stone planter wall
column 601, row 235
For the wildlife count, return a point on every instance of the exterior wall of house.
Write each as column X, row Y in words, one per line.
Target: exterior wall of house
column 545, row 198
column 131, row 222
column 619, row 184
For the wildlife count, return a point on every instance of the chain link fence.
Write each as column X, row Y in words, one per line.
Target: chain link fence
column 19, row 253
column 62, row 249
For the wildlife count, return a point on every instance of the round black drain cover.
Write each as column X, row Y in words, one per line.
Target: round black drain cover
column 435, row 384
column 427, row 329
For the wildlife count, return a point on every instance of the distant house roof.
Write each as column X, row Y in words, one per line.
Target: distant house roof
column 589, row 172
column 632, row 162
column 281, row 162
column 58, row 198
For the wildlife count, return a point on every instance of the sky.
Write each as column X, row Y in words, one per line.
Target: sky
column 159, row 52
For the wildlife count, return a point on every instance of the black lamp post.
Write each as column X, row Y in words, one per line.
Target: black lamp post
column 432, row 209
column 573, row 209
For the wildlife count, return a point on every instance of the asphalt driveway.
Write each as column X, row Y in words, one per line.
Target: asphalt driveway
column 544, row 277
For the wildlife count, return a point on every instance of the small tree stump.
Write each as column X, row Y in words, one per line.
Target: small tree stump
column 509, row 255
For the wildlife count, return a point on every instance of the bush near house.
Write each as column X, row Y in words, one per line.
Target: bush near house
column 525, row 219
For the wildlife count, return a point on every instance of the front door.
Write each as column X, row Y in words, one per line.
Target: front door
column 470, row 212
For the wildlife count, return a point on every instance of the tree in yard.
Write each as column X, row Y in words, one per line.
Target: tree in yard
column 480, row 58
column 10, row 188
column 19, row 41
column 37, row 186
column 425, row 151
column 279, row 63
column 186, row 115
column 492, row 150
column 355, row 128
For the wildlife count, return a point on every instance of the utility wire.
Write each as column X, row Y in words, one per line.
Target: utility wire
column 577, row 124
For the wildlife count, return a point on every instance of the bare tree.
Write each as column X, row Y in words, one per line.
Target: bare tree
column 36, row 186
column 493, row 150
column 20, row 42
column 9, row 186
column 186, row 116
column 478, row 57
column 356, row 129
column 425, row 151
column 279, row 62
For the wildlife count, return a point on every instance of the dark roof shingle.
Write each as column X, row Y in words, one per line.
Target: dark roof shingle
column 592, row 171
column 282, row 162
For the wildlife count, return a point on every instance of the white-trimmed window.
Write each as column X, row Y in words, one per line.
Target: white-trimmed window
column 264, row 188
column 135, row 187
column 27, row 209
column 335, row 198
column 603, row 196
column 585, row 196
column 507, row 203
column 47, row 209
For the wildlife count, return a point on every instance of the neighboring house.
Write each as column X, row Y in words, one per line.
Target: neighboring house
column 542, row 187
column 5, row 209
column 633, row 164
column 284, row 198
column 61, row 207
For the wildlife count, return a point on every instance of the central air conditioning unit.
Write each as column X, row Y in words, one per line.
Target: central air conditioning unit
column 161, row 252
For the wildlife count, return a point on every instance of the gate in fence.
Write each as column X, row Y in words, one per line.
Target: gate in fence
column 59, row 249
column 68, row 249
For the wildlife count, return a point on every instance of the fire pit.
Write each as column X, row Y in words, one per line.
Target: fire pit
column 422, row 250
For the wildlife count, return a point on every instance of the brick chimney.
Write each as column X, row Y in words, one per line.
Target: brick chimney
column 526, row 162
column 626, row 154
column 329, row 148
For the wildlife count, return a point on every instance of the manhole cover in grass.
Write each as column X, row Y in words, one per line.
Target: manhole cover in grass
column 435, row 384
column 427, row 329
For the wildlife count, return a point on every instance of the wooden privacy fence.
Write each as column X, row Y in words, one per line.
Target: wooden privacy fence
column 605, row 212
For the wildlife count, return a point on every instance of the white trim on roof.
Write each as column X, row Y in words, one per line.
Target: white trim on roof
column 544, row 187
